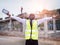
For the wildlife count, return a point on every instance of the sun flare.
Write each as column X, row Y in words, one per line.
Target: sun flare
column 34, row 6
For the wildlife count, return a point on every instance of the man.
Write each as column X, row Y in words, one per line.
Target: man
column 31, row 28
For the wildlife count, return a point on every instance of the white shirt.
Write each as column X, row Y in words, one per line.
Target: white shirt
column 23, row 21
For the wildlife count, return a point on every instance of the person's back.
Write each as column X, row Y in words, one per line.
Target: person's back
column 31, row 32
column 31, row 28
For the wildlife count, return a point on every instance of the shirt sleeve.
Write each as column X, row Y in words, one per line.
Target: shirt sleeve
column 18, row 19
column 44, row 19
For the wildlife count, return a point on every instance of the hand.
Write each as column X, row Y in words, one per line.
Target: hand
column 8, row 14
column 54, row 16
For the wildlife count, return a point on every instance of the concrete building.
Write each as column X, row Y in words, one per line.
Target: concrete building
column 13, row 25
column 53, row 25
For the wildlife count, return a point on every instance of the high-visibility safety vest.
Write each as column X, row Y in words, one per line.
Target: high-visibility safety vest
column 34, row 35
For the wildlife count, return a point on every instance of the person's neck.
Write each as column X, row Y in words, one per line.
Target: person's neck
column 31, row 19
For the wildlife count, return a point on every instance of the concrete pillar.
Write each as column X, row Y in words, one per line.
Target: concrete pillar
column 46, row 27
column 54, row 25
column 23, row 29
column 10, row 24
column 24, row 25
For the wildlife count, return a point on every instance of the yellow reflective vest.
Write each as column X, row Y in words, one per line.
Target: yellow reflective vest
column 34, row 35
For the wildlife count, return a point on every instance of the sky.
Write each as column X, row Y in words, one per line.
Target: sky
column 29, row 6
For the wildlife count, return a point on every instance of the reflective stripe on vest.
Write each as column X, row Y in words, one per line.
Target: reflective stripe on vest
column 34, row 30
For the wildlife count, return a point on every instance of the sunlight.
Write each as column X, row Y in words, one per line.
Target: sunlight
column 34, row 6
